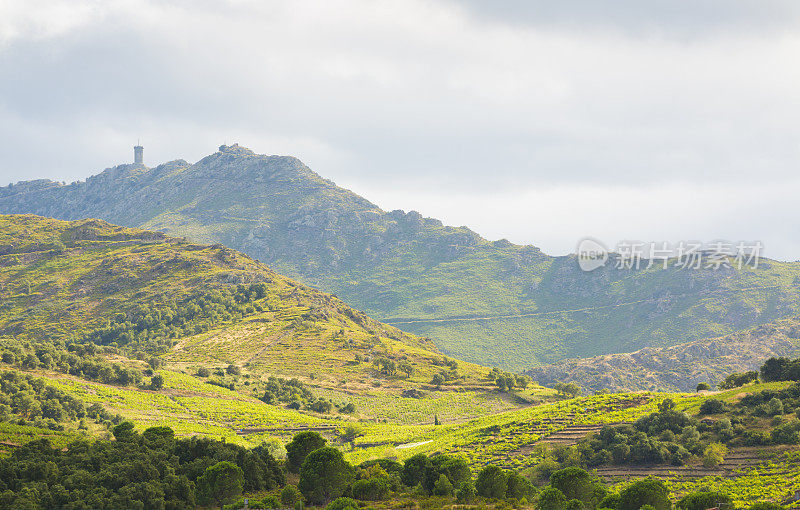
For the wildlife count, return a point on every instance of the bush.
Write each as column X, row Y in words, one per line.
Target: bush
column 575, row 504
column 518, row 487
column 492, row 482
column 649, row 491
column 203, row 372
column 574, row 483
column 157, row 382
column 703, row 500
column 466, row 492
column 342, row 504
column 551, row 499
column 712, row 406
column 765, row 505
column 371, row 489
column 714, row 455
column 414, row 470
column 611, row 501
column 290, row 496
column 325, row 475
column 787, row 433
column 443, row 487
column 703, row 386
column 300, row 446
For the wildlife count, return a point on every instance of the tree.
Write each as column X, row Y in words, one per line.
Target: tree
column 712, row 406
column 568, row 389
column 203, row 372
column 157, row 382
column 466, row 493
column 438, row 379
column 300, row 446
column 234, row 370
column 703, row 386
column 290, row 496
column 455, row 468
column 574, row 483
column 325, row 475
column 350, row 434
column 406, row 367
column 518, row 486
column 649, row 491
column 414, row 470
column 220, row 482
column 443, row 487
column 714, row 455
column 124, row 431
column 492, row 482
column 551, row 499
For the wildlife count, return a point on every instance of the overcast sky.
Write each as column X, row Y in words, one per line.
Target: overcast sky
column 538, row 121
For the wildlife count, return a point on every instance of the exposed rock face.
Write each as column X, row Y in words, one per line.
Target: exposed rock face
column 680, row 367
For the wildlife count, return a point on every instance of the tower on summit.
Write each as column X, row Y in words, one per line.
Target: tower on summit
column 138, row 154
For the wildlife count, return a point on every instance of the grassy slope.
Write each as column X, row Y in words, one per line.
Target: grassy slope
column 399, row 266
column 64, row 280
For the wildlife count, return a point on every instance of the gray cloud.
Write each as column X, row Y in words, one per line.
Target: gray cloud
column 695, row 19
column 490, row 97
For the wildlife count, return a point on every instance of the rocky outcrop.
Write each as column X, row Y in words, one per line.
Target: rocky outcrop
column 680, row 367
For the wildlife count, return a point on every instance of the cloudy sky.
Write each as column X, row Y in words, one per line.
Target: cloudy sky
column 537, row 121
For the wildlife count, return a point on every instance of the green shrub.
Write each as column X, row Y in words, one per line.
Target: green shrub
column 703, row 500
column 551, row 499
column 649, row 491
column 492, row 482
column 290, row 496
column 466, row 492
column 342, row 504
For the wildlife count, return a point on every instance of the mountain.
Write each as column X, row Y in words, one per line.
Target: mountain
column 680, row 367
column 489, row 302
column 195, row 305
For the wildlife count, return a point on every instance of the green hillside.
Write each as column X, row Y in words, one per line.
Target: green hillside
column 157, row 360
column 147, row 294
column 679, row 367
column 492, row 303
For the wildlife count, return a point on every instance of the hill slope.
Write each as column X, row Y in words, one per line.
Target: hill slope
column 680, row 367
column 195, row 304
column 412, row 271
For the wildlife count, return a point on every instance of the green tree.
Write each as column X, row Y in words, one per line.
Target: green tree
column 466, row 492
column 124, row 432
column 518, row 486
column 220, row 483
column 492, row 482
column 551, row 499
column 290, row 496
column 574, row 483
column 443, row 487
column 157, row 382
column 649, row 491
column 414, row 470
column 350, row 434
column 325, row 475
column 714, row 455
column 406, row 367
column 300, row 446
column 703, row 386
